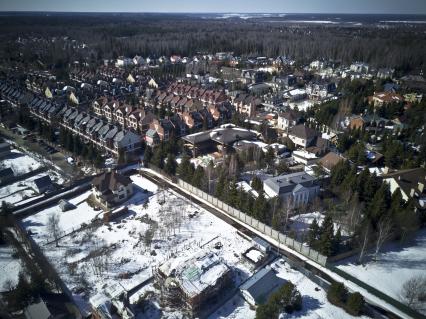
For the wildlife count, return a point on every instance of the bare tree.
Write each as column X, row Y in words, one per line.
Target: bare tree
column 364, row 239
column 53, row 227
column 413, row 293
column 384, row 231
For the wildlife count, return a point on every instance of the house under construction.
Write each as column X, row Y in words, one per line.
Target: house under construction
column 192, row 282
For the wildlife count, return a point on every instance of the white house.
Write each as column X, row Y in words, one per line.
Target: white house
column 296, row 188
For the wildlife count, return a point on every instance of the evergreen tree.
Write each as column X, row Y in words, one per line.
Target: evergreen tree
column 379, row 204
column 256, row 184
column 199, row 177
column 260, row 208
column 326, row 236
column 171, row 164
column 147, row 155
column 313, row 233
column 355, row 304
column 337, row 241
column 185, row 169
column 158, row 158
column 337, row 294
column 221, row 186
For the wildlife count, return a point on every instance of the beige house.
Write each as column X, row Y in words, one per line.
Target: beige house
column 111, row 188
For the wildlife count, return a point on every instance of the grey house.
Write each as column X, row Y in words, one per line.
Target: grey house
column 298, row 188
column 257, row 288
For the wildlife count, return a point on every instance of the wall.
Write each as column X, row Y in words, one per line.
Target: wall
column 259, row 226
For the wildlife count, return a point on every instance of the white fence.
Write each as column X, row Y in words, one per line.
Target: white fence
column 259, row 226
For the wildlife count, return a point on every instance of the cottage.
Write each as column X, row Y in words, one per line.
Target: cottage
column 257, row 288
column 112, row 188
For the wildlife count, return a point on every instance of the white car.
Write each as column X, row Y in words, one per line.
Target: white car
column 70, row 160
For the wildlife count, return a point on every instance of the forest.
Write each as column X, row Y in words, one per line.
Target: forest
column 108, row 36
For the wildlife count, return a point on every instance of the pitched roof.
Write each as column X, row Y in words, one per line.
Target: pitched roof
column 303, row 131
column 43, row 182
column 330, row 160
column 409, row 179
column 260, row 284
column 108, row 181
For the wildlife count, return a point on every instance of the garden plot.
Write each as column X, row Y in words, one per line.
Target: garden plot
column 159, row 224
column 395, row 265
column 68, row 221
column 20, row 163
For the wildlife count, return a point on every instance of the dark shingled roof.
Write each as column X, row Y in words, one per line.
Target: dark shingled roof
column 409, row 179
column 303, row 131
column 109, row 181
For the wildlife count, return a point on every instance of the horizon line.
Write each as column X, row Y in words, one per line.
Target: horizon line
column 207, row 12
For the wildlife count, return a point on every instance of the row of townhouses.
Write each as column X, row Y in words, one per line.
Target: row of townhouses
column 105, row 136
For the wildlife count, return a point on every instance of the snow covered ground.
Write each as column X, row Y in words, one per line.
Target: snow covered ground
column 19, row 192
column 20, row 163
column 300, row 223
column 68, row 221
column 395, row 265
column 97, row 256
column 315, row 303
column 9, row 267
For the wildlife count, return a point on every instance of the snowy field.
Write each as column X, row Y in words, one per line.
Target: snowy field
column 395, row 265
column 9, row 267
column 20, row 163
column 97, row 256
column 68, row 221
column 315, row 303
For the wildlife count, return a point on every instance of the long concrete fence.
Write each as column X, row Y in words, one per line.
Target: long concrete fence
column 256, row 224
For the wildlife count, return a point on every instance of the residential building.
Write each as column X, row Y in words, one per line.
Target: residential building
column 296, row 188
column 190, row 283
column 302, row 135
column 111, row 188
column 410, row 182
column 258, row 287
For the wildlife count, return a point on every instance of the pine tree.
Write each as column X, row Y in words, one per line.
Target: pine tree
column 355, row 304
column 326, row 236
column 220, row 186
column 313, row 233
column 171, row 164
column 379, row 204
column 337, row 294
column 256, row 184
column 199, row 177
column 337, row 241
column 147, row 156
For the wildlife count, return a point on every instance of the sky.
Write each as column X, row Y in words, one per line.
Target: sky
column 220, row 6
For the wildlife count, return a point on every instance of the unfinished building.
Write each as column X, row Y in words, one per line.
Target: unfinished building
column 192, row 282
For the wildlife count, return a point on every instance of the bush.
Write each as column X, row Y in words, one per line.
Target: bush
column 337, row 294
column 355, row 304
column 286, row 299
